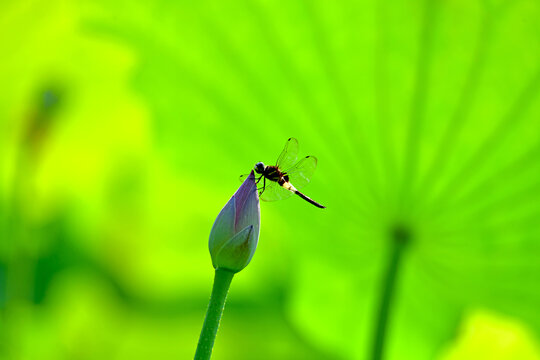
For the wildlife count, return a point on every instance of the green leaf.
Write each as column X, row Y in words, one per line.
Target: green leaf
column 421, row 113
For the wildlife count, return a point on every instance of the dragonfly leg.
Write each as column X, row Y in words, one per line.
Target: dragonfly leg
column 263, row 187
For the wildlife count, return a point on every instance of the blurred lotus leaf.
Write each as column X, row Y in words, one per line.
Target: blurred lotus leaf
column 425, row 118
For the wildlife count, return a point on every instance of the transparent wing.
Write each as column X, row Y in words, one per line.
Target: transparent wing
column 289, row 155
column 243, row 177
column 300, row 174
column 273, row 191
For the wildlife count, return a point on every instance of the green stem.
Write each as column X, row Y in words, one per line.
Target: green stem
column 222, row 281
column 400, row 239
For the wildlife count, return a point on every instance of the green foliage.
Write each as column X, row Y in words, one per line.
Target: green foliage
column 423, row 114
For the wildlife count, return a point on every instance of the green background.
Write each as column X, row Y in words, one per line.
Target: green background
column 124, row 126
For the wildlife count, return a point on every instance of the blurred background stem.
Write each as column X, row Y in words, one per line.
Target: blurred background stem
column 222, row 282
column 399, row 240
column 19, row 250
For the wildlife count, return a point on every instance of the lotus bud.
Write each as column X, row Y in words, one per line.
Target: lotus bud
column 235, row 233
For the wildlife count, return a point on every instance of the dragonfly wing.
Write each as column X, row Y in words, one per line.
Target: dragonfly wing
column 273, row 191
column 289, row 155
column 243, row 177
column 300, row 174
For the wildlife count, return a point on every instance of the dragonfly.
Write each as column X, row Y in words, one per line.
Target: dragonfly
column 278, row 179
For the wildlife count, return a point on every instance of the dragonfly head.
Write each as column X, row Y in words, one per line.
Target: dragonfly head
column 259, row 167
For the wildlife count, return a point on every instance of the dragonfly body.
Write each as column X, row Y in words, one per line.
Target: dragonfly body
column 280, row 175
column 272, row 173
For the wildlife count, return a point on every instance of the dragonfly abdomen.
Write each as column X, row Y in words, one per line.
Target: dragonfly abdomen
column 309, row 200
column 288, row 186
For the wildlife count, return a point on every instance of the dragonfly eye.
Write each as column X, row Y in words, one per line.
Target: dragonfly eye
column 259, row 167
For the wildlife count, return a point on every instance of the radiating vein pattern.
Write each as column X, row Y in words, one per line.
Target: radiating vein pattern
column 422, row 113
